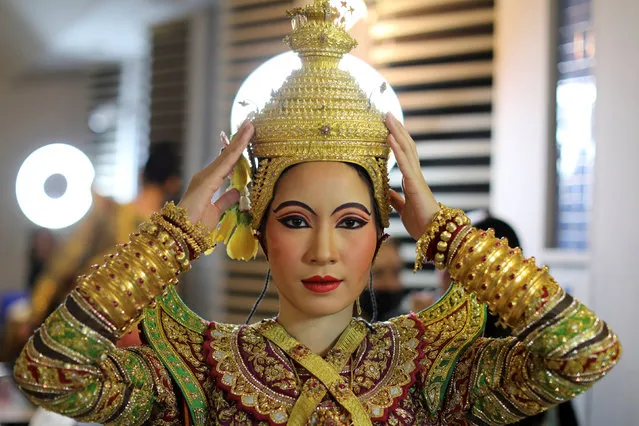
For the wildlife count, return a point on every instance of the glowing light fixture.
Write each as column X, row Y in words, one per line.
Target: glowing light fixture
column 256, row 90
column 59, row 207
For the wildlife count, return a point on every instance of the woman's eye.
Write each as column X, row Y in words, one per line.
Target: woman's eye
column 294, row 222
column 351, row 223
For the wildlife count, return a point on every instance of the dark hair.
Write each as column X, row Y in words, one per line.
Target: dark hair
column 369, row 183
column 502, row 229
column 164, row 162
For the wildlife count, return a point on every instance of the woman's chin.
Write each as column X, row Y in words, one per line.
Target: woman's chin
column 317, row 308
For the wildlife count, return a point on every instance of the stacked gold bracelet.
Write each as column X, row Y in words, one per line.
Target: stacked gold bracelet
column 175, row 220
column 436, row 243
column 116, row 293
column 186, row 242
column 513, row 287
column 132, row 279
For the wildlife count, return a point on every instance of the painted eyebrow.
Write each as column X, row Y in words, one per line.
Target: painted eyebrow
column 355, row 205
column 293, row 203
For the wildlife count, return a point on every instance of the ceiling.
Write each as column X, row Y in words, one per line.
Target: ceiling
column 42, row 35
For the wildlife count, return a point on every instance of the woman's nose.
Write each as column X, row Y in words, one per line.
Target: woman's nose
column 322, row 250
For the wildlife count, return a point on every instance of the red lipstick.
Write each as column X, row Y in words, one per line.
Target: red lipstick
column 319, row 284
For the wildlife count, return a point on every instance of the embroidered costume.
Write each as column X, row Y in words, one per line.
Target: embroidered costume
column 429, row 368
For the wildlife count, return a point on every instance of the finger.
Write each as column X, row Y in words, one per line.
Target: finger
column 215, row 172
column 224, row 139
column 404, row 139
column 227, row 200
column 225, row 143
column 397, row 201
column 405, row 165
column 397, row 129
column 213, row 213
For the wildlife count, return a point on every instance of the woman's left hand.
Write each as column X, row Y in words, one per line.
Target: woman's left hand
column 419, row 207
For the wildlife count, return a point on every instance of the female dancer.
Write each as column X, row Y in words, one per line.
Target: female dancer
column 320, row 201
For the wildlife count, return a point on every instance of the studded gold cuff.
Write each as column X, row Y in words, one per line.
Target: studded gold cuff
column 513, row 287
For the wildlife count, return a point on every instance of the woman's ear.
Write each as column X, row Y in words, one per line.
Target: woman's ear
column 380, row 240
column 262, row 240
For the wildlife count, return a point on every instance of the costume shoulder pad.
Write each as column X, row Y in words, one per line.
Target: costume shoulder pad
column 450, row 325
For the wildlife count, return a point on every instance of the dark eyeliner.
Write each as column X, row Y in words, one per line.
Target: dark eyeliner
column 360, row 223
column 286, row 222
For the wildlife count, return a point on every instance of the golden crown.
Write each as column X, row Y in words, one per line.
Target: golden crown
column 320, row 113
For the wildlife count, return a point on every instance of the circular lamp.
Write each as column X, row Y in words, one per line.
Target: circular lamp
column 53, row 186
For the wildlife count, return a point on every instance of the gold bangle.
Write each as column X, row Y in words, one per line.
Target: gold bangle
column 178, row 215
column 194, row 247
column 131, row 279
column 501, row 277
column 169, row 240
column 445, row 217
column 454, row 245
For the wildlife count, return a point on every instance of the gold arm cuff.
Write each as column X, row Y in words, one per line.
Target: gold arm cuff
column 131, row 279
column 513, row 287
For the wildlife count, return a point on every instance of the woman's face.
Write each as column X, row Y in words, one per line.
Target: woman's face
column 320, row 237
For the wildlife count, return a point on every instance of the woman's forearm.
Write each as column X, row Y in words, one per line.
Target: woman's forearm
column 525, row 296
column 71, row 364
column 560, row 347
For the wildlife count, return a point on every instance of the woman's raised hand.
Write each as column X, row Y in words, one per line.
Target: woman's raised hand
column 206, row 182
column 420, row 205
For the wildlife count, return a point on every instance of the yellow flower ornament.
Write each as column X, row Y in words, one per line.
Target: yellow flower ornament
column 242, row 245
column 234, row 228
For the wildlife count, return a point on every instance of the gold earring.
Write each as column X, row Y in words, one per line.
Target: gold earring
column 358, row 308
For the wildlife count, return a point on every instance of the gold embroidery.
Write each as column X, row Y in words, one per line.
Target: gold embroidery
column 450, row 326
column 257, row 394
column 187, row 344
column 325, row 371
column 389, row 366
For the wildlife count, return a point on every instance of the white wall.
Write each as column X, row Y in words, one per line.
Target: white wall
column 33, row 112
column 614, row 273
column 523, row 128
column 521, row 118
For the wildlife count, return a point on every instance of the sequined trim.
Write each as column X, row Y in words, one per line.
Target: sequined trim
column 183, row 376
column 175, row 307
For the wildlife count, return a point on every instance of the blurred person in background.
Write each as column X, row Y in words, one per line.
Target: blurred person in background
column 392, row 298
column 107, row 223
column 390, row 293
column 43, row 243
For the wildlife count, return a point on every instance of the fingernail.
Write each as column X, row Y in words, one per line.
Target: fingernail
column 224, row 138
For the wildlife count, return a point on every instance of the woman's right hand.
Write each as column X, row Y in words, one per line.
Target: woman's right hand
column 206, row 182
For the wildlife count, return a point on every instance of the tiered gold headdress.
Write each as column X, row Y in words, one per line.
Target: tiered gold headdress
column 319, row 114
